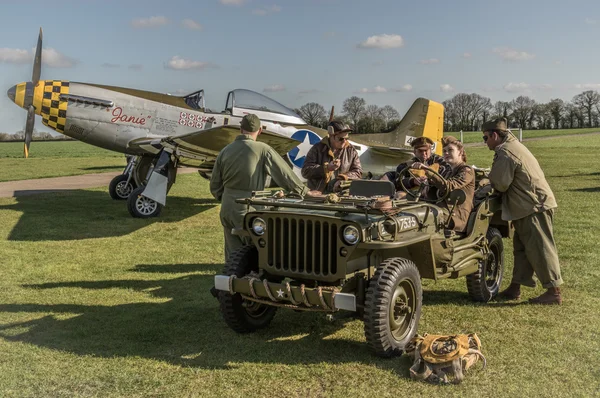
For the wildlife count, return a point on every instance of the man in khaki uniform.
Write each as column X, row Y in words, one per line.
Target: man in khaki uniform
column 529, row 203
column 243, row 167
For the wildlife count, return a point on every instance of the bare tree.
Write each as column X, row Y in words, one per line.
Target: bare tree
column 522, row 107
column 502, row 109
column 556, row 108
column 587, row 101
column 313, row 113
column 389, row 113
column 354, row 107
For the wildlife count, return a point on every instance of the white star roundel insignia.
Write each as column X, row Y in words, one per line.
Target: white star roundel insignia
column 307, row 139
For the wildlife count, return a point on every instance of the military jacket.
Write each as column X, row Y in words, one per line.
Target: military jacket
column 444, row 170
column 461, row 177
column 244, row 165
column 517, row 173
column 319, row 156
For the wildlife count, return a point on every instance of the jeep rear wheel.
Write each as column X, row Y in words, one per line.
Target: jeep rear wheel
column 484, row 284
column 393, row 306
column 244, row 316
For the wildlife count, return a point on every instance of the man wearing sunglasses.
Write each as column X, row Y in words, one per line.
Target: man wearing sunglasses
column 332, row 161
column 529, row 203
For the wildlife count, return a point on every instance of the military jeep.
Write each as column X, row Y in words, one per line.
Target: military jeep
column 364, row 252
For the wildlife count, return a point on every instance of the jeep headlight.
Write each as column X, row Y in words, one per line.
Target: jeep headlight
column 351, row 235
column 259, row 226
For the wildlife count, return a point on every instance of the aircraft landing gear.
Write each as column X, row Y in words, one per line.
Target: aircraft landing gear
column 123, row 185
column 142, row 207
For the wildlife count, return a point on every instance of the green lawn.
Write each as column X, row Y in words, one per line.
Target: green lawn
column 95, row 303
column 475, row 136
column 56, row 159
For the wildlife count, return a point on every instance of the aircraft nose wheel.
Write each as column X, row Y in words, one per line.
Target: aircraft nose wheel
column 141, row 207
column 119, row 188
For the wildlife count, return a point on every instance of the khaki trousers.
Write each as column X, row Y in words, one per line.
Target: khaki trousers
column 535, row 251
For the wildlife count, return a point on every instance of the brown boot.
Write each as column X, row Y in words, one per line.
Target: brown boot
column 513, row 292
column 552, row 296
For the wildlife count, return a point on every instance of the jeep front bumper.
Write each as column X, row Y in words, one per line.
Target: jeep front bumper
column 286, row 295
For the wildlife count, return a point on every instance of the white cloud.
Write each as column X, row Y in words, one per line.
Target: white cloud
column 15, row 56
column 383, row 42
column 266, row 10
column 376, row 89
column 232, row 2
column 151, row 22
column 191, row 24
column 274, row 88
column 512, row 55
column 136, row 67
column 544, row 87
column 405, row 88
column 517, row 87
column 587, row 86
column 430, row 61
column 466, row 55
column 590, row 21
column 50, row 57
column 446, row 88
column 109, row 65
column 179, row 63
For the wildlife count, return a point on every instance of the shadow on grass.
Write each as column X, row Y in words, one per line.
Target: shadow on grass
column 83, row 214
column 588, row 189
column 443, row 297
column 185, row 328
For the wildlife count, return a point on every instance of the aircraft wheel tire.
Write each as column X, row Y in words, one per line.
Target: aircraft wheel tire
column 119, row 189
column 142, row 207
column 484, row 284
column 244, row 316
column 393, row 306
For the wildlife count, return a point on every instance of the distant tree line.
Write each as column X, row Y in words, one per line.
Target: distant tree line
column 468, row 112
column 37, row 136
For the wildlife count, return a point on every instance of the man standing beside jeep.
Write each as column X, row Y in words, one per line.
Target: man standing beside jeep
column 529, row 203
column 332, row 161
column 242, row 167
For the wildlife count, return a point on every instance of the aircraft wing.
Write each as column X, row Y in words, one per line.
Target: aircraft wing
column 391, row 151
column 204, row 145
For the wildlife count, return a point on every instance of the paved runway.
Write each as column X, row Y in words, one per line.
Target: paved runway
column 43, row 185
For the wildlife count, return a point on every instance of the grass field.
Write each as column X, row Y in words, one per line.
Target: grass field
column 470, row 137
column 95, row 303
column 56, row 159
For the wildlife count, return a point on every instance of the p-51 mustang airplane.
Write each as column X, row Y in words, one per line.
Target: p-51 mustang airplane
column 162, row 132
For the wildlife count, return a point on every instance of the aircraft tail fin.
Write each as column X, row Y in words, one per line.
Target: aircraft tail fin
column 424, row 118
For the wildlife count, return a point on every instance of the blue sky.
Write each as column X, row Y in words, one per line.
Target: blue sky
column 298, row 51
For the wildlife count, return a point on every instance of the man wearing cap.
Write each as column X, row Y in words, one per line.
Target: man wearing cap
column 529, row 203
column 332, row 160
column 422, row 149
column 243, row 167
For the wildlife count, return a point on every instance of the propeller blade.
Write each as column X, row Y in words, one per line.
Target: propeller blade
column 37, row 61
column 29, row 129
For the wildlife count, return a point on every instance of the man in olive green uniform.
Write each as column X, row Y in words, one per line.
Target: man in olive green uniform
column 243, row 167
column 529, row 203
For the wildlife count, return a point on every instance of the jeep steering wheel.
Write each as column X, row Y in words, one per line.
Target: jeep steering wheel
column 406, row 171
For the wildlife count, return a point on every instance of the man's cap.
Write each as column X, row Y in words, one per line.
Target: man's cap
column 500, row 124
column 250, row 123
column 421, row 141
column 337, row 127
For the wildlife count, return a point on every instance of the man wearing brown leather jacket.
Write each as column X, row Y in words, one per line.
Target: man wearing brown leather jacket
column 332, row 160
column 529, row 203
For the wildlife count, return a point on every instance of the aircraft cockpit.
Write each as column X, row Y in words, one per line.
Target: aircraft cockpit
column 195, row 100
column 241, row 102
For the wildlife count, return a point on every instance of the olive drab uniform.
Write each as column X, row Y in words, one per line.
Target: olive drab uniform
column 529, row 203
column 242, row 167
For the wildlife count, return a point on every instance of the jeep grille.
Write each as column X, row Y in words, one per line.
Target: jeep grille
column 307, row 247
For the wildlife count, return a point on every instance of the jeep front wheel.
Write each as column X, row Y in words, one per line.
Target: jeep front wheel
column 393, row 306
column 484, row 284
column 244, row 316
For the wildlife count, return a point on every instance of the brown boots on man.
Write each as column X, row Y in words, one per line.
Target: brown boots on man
column 513, row 292
column 552, row 296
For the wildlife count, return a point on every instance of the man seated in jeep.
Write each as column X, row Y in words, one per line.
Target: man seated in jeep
column 460, row 177
column 422, row 149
